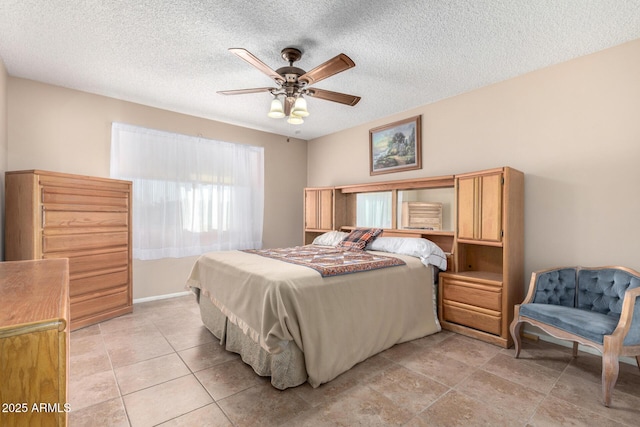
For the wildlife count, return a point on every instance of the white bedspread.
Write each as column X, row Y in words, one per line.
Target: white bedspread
column 336, row 321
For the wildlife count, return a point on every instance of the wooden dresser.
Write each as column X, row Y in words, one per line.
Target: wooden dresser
column 85, row 219
column 34, row 342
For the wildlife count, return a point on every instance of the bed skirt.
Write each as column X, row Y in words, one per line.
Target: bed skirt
column 286, row 369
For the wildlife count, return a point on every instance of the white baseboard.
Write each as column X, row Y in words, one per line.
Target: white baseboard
column 159, row 297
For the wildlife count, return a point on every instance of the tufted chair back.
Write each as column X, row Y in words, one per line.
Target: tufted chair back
column 557, row 287
column 602, row 290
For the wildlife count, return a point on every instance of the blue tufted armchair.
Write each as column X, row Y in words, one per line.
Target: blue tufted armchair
column 594, row 307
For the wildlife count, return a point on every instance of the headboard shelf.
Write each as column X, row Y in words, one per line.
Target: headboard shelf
column 405, row 184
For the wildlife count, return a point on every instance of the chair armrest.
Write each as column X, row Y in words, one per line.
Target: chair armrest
column 536, row 277
column 628, row 328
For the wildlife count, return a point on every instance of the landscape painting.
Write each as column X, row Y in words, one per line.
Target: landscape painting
column 396, row 147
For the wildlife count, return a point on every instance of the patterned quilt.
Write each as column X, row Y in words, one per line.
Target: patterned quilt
column 329, row 261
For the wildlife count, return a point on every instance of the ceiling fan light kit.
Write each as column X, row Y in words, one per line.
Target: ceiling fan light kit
column 276, row 111
column 300, row 107
column 293, row 82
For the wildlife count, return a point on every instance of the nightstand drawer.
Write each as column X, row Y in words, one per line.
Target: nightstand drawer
column 467, row 316
column 476, row 294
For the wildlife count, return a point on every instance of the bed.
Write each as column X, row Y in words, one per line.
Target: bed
column 299, row 323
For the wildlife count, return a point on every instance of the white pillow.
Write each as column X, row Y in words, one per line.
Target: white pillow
column 330, row 238
column 426, row 250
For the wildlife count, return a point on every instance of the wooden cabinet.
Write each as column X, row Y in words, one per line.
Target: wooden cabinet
column 477, row 298
column 324, row 210
column 85, row 219
column 479, row 201
column 318, row 208
column 34, row 343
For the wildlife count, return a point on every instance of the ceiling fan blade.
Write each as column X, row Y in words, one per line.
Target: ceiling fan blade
column 243, row 91
column 333, row 66
column 328, row 95
column 251, row 59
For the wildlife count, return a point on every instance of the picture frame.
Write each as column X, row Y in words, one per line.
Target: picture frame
column 396, row 147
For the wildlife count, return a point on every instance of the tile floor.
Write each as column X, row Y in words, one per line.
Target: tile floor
column 160, row 366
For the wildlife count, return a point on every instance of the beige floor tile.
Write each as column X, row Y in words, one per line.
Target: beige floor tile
column 407, row 389
column 458, row 410
column 549, row 355
column 205, row 356
column 439, row 366
column 362, row 406
column 400, row 352
column 557, row 412
column 470, row 351
column 590, row 367
column 262, row 405
column 226, row 379
column 582, row 391
column 209, row 416
column 88, row 355
column 150, row 372
column 188, row 338
column 128, row 323
column 128, row 348
column 523, row 371
column 163, row 402
column 326, row 392
column 86, row 331
column 109, row 413
column 513, row 400
column 434, row 339
column 364, row 370
column 92, row 389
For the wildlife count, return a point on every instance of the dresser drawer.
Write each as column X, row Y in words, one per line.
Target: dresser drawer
column 80, row 263
column 87, row 197
column 468, row 316
column 468, row 292
column 76, row 242
column 91, row 283
column 81, row 308
column 75, row 219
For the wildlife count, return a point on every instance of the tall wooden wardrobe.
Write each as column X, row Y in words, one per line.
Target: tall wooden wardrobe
column 85, row 219
column 477, row 299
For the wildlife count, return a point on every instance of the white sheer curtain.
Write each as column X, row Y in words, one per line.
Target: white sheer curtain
column 190, row 195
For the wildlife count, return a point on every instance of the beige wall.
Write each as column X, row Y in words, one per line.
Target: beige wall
column 58, row 129
column 573, row 129
column 3, row 148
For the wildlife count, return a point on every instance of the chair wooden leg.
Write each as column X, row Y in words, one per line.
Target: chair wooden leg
column 610, row 370
column 515, row 329
column 574, row 352
column 638, row 361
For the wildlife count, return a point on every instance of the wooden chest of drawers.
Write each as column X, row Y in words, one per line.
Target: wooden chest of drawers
column 34, row 343
column 85, row 219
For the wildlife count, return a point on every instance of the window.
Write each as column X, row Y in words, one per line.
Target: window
column 190, row 195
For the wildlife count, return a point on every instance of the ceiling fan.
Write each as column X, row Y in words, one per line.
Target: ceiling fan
column 293, row 82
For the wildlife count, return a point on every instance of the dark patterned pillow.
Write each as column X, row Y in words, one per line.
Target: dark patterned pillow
column 358, row 238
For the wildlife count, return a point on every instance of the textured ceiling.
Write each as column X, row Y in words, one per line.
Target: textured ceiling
column 173, row 55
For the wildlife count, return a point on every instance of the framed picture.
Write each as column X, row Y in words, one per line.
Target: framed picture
column 396, row 147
